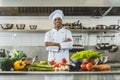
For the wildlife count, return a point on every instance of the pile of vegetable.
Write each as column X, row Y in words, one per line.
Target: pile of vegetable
column 60, row 66
column 88, row 61
column 18, row 61
column 89, row 66
column 86, row 54
column 14, row 62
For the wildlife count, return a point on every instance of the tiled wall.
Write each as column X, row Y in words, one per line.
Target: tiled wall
column 35, row 40
column 21, row 39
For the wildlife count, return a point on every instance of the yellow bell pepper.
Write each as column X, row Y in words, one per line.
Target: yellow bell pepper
column 19, row 65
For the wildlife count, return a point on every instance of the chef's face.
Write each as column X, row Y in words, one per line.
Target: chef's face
column 58, row 23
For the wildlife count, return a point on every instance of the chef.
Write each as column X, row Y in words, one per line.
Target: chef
column 58, row 40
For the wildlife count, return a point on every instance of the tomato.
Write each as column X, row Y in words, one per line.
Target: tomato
column 55, row 65
column 83, row 67
column 63, row 60
column 89, row 66
column 52, row 62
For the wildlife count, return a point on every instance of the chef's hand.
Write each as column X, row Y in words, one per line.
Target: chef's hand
column 52, row 44
column 68, row 40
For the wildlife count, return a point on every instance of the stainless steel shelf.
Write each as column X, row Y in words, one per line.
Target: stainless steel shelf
column 11, row 30
column 72, row 30
column 93, row 31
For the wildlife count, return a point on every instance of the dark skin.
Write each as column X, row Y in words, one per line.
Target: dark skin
column 57, row 25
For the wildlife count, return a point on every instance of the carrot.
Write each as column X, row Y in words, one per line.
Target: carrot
column 102, row 67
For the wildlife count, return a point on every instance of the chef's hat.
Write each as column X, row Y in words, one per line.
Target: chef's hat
column 55, row 14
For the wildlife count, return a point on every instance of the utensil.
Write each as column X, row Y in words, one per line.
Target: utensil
column 2, row 53
column 114, row 26
column 101, row 60
column 106, row 45
column 104, row 59
column 113, row 48
column 20, row 26
column 79, row 47
column 33, row 26
column 101, row 26
column 6, row 26
column 102, row 46
column 98, row 46
column 35, row 59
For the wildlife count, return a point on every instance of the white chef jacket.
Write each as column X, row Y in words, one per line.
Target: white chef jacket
column 58, row 36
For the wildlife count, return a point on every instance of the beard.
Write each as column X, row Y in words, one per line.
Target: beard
column 58, row 24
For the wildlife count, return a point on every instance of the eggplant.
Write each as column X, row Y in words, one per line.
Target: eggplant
column 75, row 65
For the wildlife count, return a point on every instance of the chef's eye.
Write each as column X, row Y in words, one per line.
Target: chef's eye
column 58, row 19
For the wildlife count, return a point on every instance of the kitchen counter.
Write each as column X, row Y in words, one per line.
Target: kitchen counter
column 59, row 72
column 40, row 75
column 113, row 74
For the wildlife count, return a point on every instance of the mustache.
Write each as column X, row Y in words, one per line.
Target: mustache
column 58, row 24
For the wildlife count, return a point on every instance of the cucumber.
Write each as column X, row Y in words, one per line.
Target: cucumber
column 40, row 69
column 40, row 65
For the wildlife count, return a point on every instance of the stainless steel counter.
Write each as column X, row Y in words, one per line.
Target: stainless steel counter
column 58, row 72
column 113, row 74
column 38, row 75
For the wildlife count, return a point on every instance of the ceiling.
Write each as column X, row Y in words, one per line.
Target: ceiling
column 61, row 3
column 70, row 7
column 68, row 11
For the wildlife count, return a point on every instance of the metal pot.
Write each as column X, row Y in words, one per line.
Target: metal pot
column 113, row 48
column 106, row 45
column 101, row 27
column 77, row 48
column 80, row 47
column 114, row 26
column 102, row 45
column 98, row 46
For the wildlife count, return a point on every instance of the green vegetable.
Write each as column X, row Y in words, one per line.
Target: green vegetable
column 40, row 69
column 21, row 55
column 18, row 55
column 13, row 59
column 40, row 65
column 86, row 54
column 6, row 64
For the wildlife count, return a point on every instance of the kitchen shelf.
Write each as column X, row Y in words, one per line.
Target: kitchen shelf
column 72, row 30
column 11, row 30
column 93, row 31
